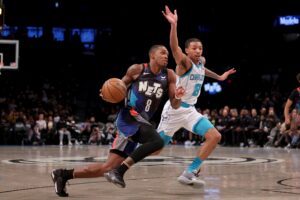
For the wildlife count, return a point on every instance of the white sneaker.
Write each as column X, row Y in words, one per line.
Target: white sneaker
column 190, row 179
column 287, row 146
column 61, row 144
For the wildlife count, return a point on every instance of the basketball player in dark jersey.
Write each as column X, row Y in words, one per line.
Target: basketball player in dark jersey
column 294, row 99
column 147, row 84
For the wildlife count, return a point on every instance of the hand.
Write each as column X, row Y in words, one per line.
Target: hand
column 100, row 93
column 179, row 92
column 171, row 17
column 287, row 121
column 227, row 73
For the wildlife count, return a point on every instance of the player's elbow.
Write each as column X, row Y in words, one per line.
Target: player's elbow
column 175, row 105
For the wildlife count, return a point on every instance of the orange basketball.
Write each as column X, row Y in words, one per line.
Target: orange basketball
column 113, row 90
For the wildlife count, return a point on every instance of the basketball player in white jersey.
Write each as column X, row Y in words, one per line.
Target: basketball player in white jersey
column 191, row 72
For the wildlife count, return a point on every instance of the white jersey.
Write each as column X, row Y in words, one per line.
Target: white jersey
column 192, row 82
column 186, row 116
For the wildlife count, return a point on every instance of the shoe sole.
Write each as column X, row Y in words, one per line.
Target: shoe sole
column 191, row 183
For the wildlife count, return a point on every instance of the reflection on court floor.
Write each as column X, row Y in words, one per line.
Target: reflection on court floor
column 230, row 173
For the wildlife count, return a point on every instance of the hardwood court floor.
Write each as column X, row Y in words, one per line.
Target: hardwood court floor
column 230, row 173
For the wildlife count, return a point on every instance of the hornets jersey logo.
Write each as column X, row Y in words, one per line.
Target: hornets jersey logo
column 197, row 77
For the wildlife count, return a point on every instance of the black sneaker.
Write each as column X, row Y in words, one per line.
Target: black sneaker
column 115, row 177
column 59, row 180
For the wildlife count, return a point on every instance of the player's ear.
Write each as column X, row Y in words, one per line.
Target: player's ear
column 186, row 50
column 151, row 55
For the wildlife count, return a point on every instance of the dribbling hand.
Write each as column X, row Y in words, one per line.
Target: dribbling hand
column 100, row 93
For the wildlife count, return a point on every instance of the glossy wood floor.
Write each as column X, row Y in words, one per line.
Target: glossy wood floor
column 230, row 173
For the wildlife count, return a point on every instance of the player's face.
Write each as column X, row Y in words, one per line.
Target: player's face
column 161, row 56
column 194, row 51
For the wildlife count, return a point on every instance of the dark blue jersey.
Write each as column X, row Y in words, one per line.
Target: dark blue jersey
column 144, row 97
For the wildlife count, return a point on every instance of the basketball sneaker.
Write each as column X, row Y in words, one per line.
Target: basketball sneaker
column 191, row 179
column 115, row 177
column 59, row 179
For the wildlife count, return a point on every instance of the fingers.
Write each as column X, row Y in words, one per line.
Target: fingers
column 167, row 8
column 180, row 91
column 168, row 11
column 232, row 70
column 181, row 88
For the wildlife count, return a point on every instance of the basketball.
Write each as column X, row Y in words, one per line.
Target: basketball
column 113, row 90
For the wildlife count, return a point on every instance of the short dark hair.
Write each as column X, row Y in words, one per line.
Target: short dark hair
column 189, row 41
column 298, row 77
column 154, row 48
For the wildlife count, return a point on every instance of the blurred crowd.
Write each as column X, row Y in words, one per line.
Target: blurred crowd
column 46, row 115
column 247, row 128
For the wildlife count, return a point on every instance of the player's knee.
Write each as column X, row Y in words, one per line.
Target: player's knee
column 213, row 135
column 159, row 143
column 218, row 137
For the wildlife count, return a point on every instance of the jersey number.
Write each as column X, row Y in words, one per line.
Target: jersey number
column 148, row 105
column 196, row 89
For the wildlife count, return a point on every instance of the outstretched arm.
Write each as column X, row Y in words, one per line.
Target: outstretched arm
column 183, row 63
column 175, row 94
column 223, row 77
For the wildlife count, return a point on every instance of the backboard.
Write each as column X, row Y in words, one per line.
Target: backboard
column 9, row 54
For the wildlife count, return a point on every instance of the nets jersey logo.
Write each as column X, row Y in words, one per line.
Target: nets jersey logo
column 151, row 90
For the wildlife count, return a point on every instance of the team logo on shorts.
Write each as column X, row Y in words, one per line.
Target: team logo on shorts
column 164, row 118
